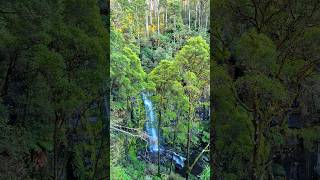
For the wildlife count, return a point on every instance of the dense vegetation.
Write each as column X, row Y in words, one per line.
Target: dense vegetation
column 161, row 48
column 265, row 87
column 264, row 81
column 53, row 66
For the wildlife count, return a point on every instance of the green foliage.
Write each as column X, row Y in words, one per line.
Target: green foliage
column 53, row 70
column 174, row 176
column 77, row 163
column 163, row 51
column 310, row 136
column 263, row 79
column 205, row 175
column 256, row 52
column 194, row 57
column 118, row 172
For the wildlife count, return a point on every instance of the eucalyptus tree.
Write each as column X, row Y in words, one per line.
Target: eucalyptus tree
column 193, row 63
column 52, row 72
column 178, row 107
column 127, row 81
column 163, row 76
column 262, row 47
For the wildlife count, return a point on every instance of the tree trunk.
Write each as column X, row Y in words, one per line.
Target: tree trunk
column 159, row 125
column 174, row 32
column 137, row 25
column 185, row 8
column 13, row 59
column 189, row 15
column 255, row 153
column 126, row 142
column 150, row 11
column 174, row 137
column 189, row 142
column 147, row 24
column 196, row 17
column 200, row 15
column 155, row 7
column 55, row 144
column 254, row 175
column 158, row 16
column 102, row 143
column 163, row 18
column 166, row 24
column 206, row 22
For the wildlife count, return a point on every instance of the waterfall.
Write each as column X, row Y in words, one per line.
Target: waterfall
column 151, row 124
column 151, row 129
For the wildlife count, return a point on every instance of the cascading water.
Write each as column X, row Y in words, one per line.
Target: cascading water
column 151, row 124
column 151, row 129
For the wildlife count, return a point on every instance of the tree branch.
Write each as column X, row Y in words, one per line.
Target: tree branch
column 140, row 135
column 240, row 101
column 197, row 158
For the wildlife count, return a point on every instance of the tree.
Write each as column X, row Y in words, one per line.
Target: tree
column 53, row 76
column 251, row 36
column 193, row 63
column 163, row 76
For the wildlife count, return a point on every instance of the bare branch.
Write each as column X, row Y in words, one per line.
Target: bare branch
column 197, row 158
column 138, row 134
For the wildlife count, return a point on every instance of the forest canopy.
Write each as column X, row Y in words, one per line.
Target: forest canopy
column 160, row 89
column 265, row 89
column 53, row 69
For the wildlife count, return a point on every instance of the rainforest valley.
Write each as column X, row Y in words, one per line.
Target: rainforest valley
column 160, row 89
column 160, row 124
